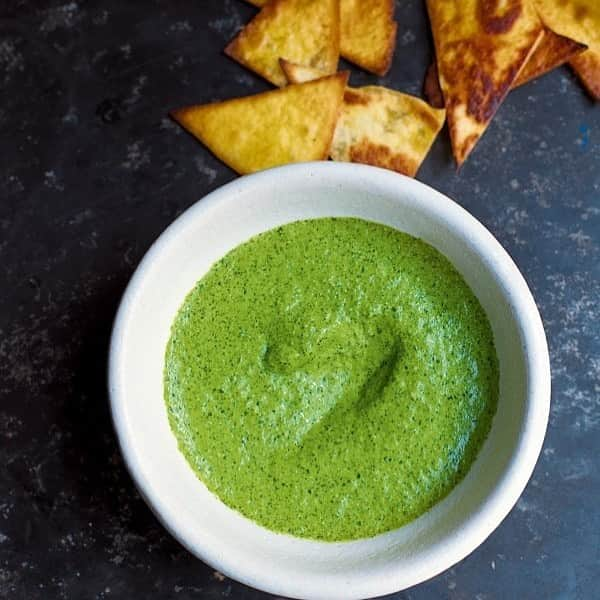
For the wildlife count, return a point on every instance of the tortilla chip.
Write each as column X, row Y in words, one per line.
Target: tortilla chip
column 295, row 73
column 385, row 128
column 368, row 33
column 553, row 50
column 580, row 21
column 259, row 3
column 293, row 124
column 306, row 32
column 480, row 49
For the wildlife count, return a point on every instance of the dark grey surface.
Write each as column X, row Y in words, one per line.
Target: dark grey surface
column 92, row 170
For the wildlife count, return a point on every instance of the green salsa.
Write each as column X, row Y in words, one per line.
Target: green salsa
column 331, row 379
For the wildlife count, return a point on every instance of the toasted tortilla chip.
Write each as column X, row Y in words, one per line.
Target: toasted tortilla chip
column 368, row 34
column 580, row 21
column 293, row 124
column 385, row 128
column 306, row 32
column 552, row 51
column 295, row 73
column 259, row 3
column 480, row 49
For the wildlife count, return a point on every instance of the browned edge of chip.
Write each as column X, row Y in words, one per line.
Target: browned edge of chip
column 378, row 155
column 553, row 51
column 587, row 67
column 370, row 150
column 431, row 86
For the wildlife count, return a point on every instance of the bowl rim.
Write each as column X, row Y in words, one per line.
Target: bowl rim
column 478, row 526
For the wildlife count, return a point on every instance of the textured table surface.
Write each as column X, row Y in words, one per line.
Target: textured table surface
column 92, row 170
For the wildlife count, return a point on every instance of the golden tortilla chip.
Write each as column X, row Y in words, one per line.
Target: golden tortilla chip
column 480, row 49
column 306, row 32
column 580, row 21
column 552, row 51
column 293, row 124
column 368, row 33
column 385, row 128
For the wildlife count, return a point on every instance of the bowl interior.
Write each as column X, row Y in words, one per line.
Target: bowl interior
column 230, row 542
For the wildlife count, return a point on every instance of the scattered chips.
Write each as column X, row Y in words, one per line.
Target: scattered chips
column 368, row 33
column 378, row 126
column 293, row 124
column 306, row 32
column 483, row 49
column 579, row 20
column 480, row 49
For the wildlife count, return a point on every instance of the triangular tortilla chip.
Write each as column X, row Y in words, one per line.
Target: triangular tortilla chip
column 368, row 34
column 385, row 128
column 306, row 32
column 379, row 126
column 480, row 49
column 552, row 51
column 293, row 124
column 580, row 21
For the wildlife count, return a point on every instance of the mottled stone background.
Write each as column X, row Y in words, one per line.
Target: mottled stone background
column 92, row 170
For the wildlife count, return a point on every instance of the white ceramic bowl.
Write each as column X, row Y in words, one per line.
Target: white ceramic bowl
column 235, row 545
